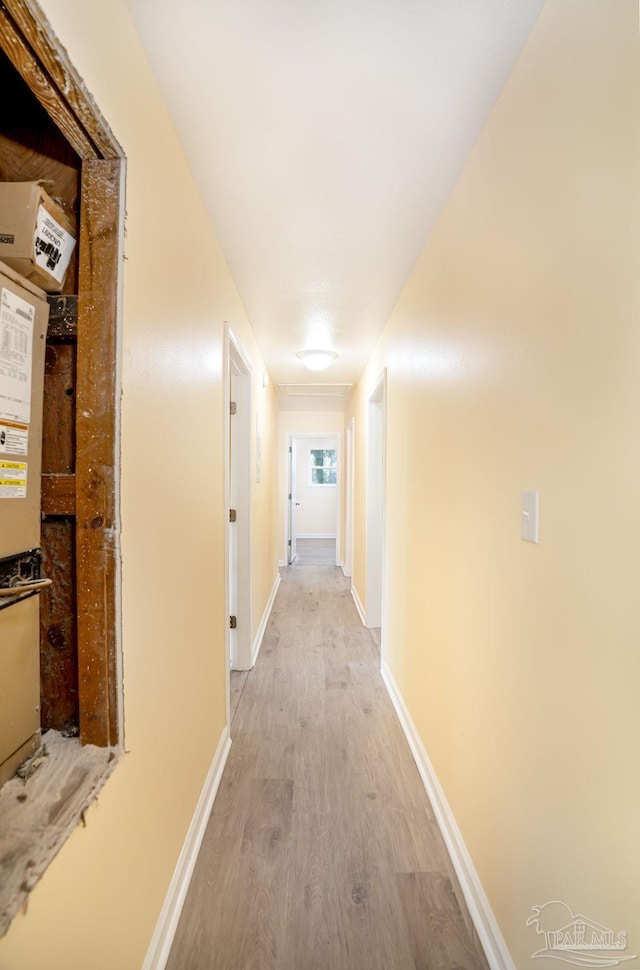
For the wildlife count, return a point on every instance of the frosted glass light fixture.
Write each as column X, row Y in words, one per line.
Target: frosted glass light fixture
column 317, row 359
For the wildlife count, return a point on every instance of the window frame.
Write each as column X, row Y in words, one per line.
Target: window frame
column 311, row 467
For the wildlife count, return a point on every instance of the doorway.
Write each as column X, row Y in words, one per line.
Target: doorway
column 293, row 504
column 239, row 507
column 313, row 497
column 375, row 504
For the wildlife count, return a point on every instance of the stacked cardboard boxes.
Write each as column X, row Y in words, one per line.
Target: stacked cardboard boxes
column 37, row 238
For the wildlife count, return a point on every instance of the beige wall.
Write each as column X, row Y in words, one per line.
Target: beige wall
column 97, row 905
column 301, row 423
column 264, row 559
column 513, row 358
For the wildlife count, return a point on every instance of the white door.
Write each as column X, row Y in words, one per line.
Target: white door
column 291, row 538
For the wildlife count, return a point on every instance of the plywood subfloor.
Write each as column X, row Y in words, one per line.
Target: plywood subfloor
column 38, row 814
column 322, row 852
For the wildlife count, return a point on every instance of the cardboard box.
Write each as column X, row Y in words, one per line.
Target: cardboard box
column 24, row 314
column 37, row 238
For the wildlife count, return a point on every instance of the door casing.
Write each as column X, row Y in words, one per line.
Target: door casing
column 349, row 485
column 376, row 476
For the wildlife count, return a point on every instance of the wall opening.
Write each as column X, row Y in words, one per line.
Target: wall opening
column 51, row 130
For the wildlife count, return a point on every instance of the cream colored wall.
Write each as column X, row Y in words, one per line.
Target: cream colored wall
column 98, row 903
column 264, row 558
column 513, row 358
column 302, row 422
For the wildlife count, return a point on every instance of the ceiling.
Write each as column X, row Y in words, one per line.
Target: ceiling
column 325, row 137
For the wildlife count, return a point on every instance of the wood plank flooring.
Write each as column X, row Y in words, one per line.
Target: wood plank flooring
column 315, row 552
column 322, row 852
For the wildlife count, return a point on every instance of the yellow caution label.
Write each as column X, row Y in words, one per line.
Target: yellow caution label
column 13, row 479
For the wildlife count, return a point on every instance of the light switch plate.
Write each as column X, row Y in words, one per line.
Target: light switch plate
column 529, row 515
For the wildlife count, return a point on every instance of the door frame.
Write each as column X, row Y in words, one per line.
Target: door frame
column 237, row 365
column 349, row 492
column 376, row 501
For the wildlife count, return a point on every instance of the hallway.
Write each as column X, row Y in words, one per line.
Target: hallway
column 321, row 852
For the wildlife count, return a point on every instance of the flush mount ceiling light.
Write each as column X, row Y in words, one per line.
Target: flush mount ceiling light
column 317, row 359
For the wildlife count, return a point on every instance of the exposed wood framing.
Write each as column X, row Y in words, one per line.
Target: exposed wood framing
column 58, row 494
column 95, row 449
column 85, row 489
column 59, row 635
column 63, row 317
column 43, row 63
column 28, row 67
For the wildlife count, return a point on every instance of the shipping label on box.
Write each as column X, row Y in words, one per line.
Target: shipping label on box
column 53, row 245
column 37, row 238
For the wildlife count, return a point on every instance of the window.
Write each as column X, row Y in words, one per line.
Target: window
column 323, row 466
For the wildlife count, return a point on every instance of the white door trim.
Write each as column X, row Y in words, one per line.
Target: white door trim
column 376, row 477
column 349, row 478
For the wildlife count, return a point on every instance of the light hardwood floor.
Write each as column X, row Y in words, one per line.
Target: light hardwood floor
column 322, row 852
column 315, row 552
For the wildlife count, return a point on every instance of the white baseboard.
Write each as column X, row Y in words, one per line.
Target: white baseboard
column 162, row 939
column 282, row 562
column 359, row 606
column 257, row 643
column 480, row 911
column 343, row 567
column 315, row 535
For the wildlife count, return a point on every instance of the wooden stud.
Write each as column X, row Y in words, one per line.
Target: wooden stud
column 58, row 425
column 95, row 461
column 63, row 318
column 58, row 633
column 58, row 494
